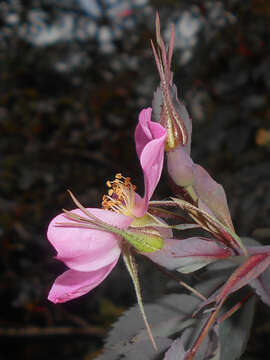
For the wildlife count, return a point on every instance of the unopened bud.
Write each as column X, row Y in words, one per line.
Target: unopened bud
column 168, row 110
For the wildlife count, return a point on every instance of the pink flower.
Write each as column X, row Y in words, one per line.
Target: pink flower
column 89, row 241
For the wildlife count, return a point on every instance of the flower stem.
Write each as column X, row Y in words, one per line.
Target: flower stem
column 132, row 269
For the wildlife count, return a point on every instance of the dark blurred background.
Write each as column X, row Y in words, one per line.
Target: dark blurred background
column 74, row 76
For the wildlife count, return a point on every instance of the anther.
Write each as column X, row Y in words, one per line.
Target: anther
column 110, row 192
column 120, row 197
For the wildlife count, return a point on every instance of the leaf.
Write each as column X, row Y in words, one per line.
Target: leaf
column 180, row 168
column 109, row 355
column 129, row 338
column 169, row 311
column 167, row 327
column 212, row 195
column 261, row 286
column 188, row 255
column 234, row 331
column 209, row 348
column 249, row 270
column 253, row 267
column 177, row 350
column 212, row 224
column 248, row 241
column 134, row 351
column 224, row 341
column 214, row 276
column 145, row 350
column 172, row 314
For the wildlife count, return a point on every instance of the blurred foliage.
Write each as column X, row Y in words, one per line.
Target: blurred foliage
column 68, row 110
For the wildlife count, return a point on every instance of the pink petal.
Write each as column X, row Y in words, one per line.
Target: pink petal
column 86, row 249
column 142, row 132
column 150, row 138
column 72, row 284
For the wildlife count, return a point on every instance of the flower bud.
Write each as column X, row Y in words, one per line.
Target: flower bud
column 167, row 109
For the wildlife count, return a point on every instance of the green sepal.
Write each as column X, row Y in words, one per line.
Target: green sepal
column 145, row 240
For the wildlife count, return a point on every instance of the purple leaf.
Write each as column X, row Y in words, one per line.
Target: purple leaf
column 214, row 276
column 261, row 286
column 143, row 350
column 253, row 250
column 208, row 349
column 212, row 195
column 167, row 315
column 212, row 280
column 253, row 267
column 177, row 350
column 211, row 224
column 234, row 331
column 180, row 167
column 189, row 255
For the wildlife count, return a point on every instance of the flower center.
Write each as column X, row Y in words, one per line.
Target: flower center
column 121, row 195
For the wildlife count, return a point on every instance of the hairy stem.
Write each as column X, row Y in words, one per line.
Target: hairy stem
column 132, row 269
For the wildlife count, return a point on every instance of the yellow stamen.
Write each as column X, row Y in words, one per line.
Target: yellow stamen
column 121, row 195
